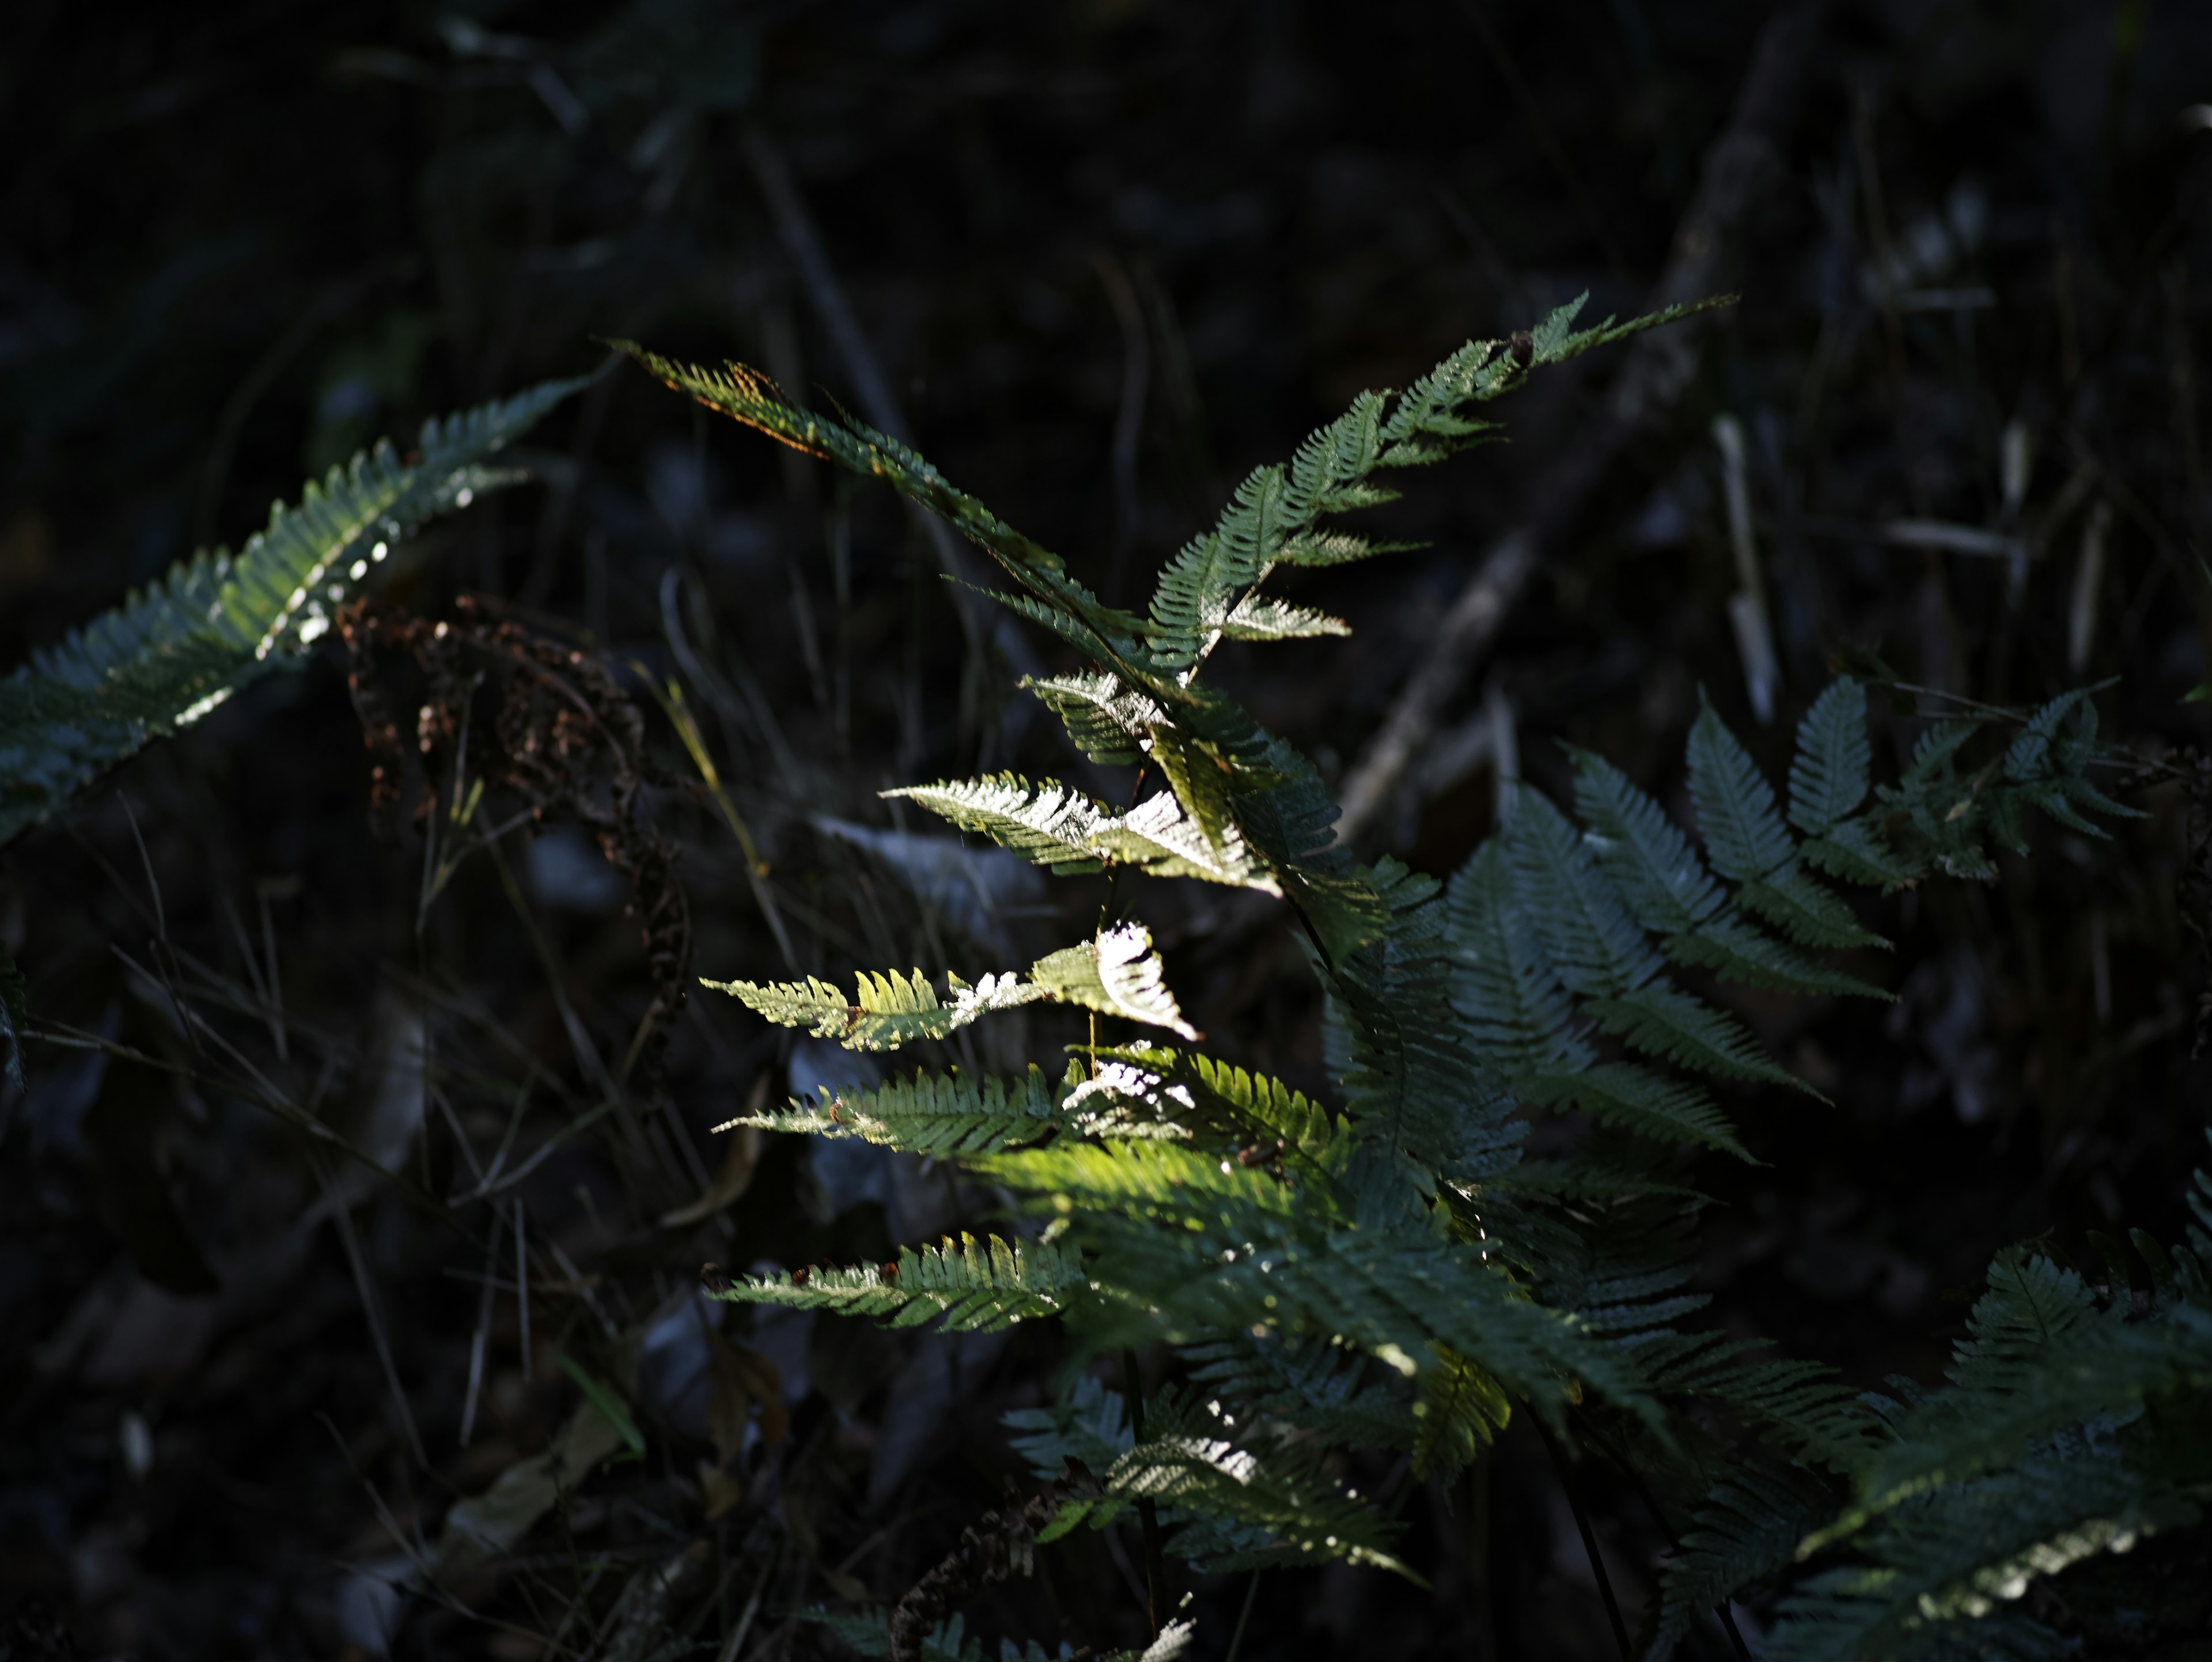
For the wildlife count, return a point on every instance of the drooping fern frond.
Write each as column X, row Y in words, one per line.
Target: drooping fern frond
column 973, row 1285
column 180, row 647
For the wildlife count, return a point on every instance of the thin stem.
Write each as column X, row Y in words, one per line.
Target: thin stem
column 1590, row 1538
column 1236, row 1638
column 1148, row 1513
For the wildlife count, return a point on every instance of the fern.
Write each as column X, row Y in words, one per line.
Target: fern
column 971, row 1286
column 2070, row 1426
column 1227, row 1506
column 952, row 1113
column 1052, row 826
column 1387, row 1271
column 1117, row 973
column 176, row 649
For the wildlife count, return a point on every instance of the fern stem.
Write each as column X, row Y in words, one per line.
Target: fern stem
column 1148, row 1513
column 1590, row 1537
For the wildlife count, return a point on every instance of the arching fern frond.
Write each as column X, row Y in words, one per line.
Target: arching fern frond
column 177, row 648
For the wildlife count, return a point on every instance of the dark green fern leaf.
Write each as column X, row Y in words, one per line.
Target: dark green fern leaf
column 178, row 649
column 937, row 1115
column 968, row 1286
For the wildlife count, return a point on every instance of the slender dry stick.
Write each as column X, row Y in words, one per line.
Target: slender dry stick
column 1589, row 1536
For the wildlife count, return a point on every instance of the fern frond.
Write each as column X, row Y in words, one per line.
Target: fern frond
column 1670, row 893
column 1637, row 1099
column 1806, row 911
column 1416, row 1093
column 1261, row 618
column 1828, row 776
column 1089, row 1424
column 1228, row 1506
column 1737, row 811
column 178, row 649
column 885, row 1011
column 1663, row 1021
column 1108, row 720
column 1461, row 1410
column 1051, row 824
column 935, row 1114
column 1504, row 988
column 1118, row 974
column 1306, row 1385
column 751, row 398
column 973, row 1286
column 1746, row 1531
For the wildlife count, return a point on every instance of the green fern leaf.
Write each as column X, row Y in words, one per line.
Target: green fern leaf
column 1231, row 1508
column 1637, row 1099
column 1856, row 852
column 967, row 1286
column 1048, row 824
column 1107, row 719
column 1803, row 909
column 1734, row 951
column 1460, row 1411
column 1052, row 825
column 1321, row 1389
column 939, row 1115
column 1828, row 776
column 1515, row 1010
column 1746, row 1531
column 1198, row 588
column 1663, row 1021
column 1659, row 873
column 885, row 1011
column 1258, row 618
column 1737, row 811
column 1118, row 974
column 175, row 650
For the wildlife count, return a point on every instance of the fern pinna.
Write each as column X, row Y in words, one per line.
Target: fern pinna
column 1389, row 1271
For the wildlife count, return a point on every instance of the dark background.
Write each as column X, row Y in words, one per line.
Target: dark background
column 1110, row 255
